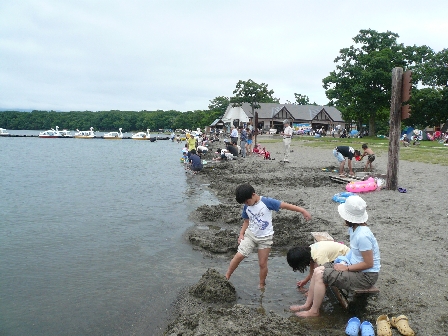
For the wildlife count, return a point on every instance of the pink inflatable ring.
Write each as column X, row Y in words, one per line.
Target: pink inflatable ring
column 362, row 186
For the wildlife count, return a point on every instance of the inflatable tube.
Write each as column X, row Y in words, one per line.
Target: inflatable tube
column 342, row 196
column 362, row 186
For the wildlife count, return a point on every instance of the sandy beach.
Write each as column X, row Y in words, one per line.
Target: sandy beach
column 411, row 229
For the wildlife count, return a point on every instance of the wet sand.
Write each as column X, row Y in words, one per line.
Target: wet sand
column 411, row 229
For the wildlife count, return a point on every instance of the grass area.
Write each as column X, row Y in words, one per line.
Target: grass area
column 427, row 151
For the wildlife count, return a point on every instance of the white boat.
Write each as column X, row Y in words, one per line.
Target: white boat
column 4, row 133
column 53, row 133
column 85, row 134
column 66, row 134
column 142, row 135
column 114, row 135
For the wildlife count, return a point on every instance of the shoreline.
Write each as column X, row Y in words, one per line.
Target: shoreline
column 410, row 228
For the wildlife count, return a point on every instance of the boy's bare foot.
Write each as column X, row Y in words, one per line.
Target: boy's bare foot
column 307, row 313
column 262, row 286
column 297, row 308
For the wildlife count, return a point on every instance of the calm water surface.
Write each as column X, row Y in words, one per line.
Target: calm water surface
column 91, row 240
column 91, row 235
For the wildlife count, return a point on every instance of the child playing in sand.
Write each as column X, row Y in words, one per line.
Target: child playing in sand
column 301, row 257
column 370, row 156
column 257, row 229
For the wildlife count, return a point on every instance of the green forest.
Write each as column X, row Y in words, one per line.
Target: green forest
column 107, row 120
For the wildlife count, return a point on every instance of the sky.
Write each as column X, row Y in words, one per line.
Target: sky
column 99, row 55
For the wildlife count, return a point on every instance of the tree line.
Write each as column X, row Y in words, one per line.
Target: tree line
column 107, row 120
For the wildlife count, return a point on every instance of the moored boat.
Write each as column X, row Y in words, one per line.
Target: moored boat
column 50, row 134
column 85, row 134
column 66, row 134
column 4, row 133
column 141, row 135
column 114, row 135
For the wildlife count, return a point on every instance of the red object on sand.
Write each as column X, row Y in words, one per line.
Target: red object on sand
column 358, row 158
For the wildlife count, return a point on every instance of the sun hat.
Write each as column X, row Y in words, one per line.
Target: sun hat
column 354, row 210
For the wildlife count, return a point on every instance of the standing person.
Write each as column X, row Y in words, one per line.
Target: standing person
column 361, row 267
column 243, row 141
column 249, row 141
column 317, row 254
column 287, row 134
column 234, row 135
column 191, row 142
column 257, row 229
column 370, row 156
column 343, row 152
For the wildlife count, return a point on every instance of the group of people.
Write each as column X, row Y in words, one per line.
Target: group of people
column 192, row 153
column 246, row 139
column 232, row 149
column 347, row 153
column 330, row 263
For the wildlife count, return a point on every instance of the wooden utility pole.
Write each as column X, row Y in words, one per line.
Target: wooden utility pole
column 395, row 129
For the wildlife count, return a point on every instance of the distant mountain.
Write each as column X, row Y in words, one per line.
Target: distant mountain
column 15, row 109
column 23, row 110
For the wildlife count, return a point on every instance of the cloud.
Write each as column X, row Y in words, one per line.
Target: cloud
column 135, row 55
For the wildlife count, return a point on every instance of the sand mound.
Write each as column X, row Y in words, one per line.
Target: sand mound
column 214, row 287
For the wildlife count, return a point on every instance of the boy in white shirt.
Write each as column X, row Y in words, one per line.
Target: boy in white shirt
column 257, row 229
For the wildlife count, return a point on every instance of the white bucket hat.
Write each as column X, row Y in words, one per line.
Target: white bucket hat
column 354, row 210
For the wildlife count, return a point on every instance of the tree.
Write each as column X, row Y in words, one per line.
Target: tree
column 219, row 104
column 361, row 84
column 430, row 104
column 302, row 99
column 427, row 108
column 252, row 93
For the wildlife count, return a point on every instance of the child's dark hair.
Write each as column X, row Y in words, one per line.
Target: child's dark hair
column 357, row 152
column 364, row 146
column 350, row 224
column 193, row 151
column 244, row 192
column 299, row 258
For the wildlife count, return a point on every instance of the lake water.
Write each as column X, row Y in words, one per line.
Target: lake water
column 91, row 239
column 91, row 235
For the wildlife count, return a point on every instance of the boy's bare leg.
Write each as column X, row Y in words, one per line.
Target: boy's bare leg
column 341, row 168
column 263, row 255
column 234, row 264
column 350, row 170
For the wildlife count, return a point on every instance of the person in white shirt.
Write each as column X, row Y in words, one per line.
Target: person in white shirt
column 234, row 135
column 287, row 135
column 257, row 230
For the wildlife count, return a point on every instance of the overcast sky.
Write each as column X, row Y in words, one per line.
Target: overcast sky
column 180, row 54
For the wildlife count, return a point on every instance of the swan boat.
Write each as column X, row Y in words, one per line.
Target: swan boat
column 55, row 133
column 85, row 134
column 141, row 135
column 114, row 135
